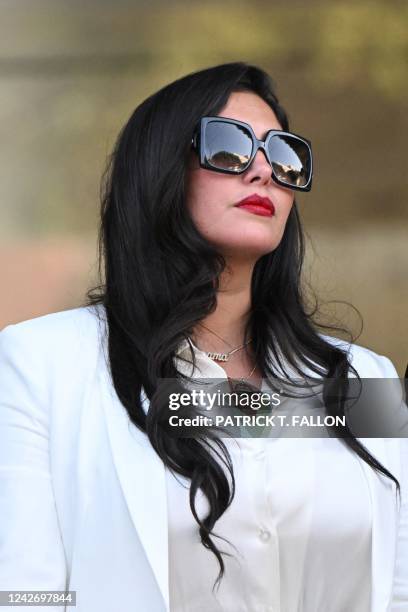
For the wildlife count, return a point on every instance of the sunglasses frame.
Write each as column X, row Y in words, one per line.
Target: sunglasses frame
column 197, row 143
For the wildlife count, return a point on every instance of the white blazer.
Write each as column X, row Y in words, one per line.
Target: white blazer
column 82, row 492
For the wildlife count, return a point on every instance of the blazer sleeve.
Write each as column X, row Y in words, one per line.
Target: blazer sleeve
column 400, row 585
column 31, row 548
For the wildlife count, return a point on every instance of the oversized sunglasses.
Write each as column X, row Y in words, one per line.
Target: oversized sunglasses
column 229, row 146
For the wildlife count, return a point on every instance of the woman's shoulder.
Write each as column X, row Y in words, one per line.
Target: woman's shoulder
column 367, row 362
column 57, row 333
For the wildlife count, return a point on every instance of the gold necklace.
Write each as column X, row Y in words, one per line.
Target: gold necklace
column 236, row 385
column 222, row 356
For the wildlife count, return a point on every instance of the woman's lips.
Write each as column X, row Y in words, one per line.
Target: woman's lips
column 257, row 210
column 257, row 205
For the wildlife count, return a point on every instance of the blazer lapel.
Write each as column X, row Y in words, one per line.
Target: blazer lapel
column 141, row 472
column 384, row 521
column 142, row 477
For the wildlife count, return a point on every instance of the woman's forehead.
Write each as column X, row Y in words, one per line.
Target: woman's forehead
column 249, row 107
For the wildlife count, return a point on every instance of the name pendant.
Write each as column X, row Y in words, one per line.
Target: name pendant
column 218, row 356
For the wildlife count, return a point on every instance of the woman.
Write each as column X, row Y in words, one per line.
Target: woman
column 203, row 250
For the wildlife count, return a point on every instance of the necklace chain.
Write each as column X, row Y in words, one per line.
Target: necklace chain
column 225, row 356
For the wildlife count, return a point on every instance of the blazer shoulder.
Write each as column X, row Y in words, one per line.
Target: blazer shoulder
column 367, row 362
column 59, row 333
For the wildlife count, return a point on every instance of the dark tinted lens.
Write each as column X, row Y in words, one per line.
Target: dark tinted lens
column 290, row 159
column 227, row 146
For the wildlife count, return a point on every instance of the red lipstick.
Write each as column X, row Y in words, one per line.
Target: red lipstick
column 257, row 205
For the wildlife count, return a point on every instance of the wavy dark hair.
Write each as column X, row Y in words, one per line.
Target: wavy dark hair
column 159, row 278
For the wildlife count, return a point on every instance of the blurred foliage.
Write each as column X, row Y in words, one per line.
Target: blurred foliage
column 72, row 72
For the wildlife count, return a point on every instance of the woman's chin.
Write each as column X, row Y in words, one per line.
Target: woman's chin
column 248, row 250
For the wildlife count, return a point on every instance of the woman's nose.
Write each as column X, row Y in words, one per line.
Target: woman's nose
column 259, row 168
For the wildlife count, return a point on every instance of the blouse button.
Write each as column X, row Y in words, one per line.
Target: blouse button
column 264, row 535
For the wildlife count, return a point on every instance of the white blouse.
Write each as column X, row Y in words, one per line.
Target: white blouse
column 298, row 529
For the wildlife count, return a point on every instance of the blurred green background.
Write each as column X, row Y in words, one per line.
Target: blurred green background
column 72, row 72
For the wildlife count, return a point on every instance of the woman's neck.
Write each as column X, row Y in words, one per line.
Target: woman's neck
column 225, row 326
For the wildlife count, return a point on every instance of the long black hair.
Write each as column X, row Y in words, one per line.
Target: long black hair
column 160, row 278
